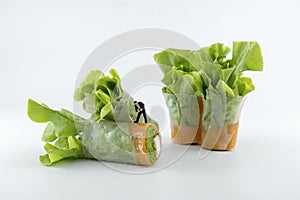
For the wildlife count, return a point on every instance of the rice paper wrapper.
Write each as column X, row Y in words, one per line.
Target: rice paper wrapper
column 220, row 120
column 185, row 116
column 122, row 142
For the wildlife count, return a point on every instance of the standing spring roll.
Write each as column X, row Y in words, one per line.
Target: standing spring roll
column 183, row 94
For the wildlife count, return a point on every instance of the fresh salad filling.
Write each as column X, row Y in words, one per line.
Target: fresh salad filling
column 151, row 133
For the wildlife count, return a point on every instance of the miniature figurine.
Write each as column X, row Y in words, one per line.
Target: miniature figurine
column 140, row 109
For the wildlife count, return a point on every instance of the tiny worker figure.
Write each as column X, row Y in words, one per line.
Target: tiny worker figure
column 140, row 109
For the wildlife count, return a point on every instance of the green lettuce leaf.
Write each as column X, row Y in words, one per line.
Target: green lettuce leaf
column 197, row 67
column 96, row 91
column 245, row 56
column 104, row 98
column 179, row 83
column 243, row 86
column 87, row 85
column 62, row 130
column 218, row 52
column 180, row 59
column 151, row 133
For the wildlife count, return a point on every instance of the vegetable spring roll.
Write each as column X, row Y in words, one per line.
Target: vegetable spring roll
column 69, row 136
column 224, row 97
column 183, row 94
column 108, row 135
column 219, row 85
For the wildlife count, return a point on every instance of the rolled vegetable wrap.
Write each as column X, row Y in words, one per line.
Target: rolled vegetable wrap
column 183, row 98
column 70, row 136
column 108, row 135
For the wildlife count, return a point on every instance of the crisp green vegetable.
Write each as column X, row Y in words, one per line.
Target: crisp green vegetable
column 207, row 72
column 151, row 133
column 210, row 63
column 104, row 98
column 61, row 134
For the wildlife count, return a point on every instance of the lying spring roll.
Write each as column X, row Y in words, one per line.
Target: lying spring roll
column 108, row 134
column 70, row 136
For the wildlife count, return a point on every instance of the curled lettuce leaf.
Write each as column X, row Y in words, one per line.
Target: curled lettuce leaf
column 245, row 56
column 101, row 94
column 104, row 98
column 178, row 58
column 218, row 52
column 211, row 64
column 61, row 134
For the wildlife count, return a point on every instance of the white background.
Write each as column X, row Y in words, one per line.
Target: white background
column 43, row 45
